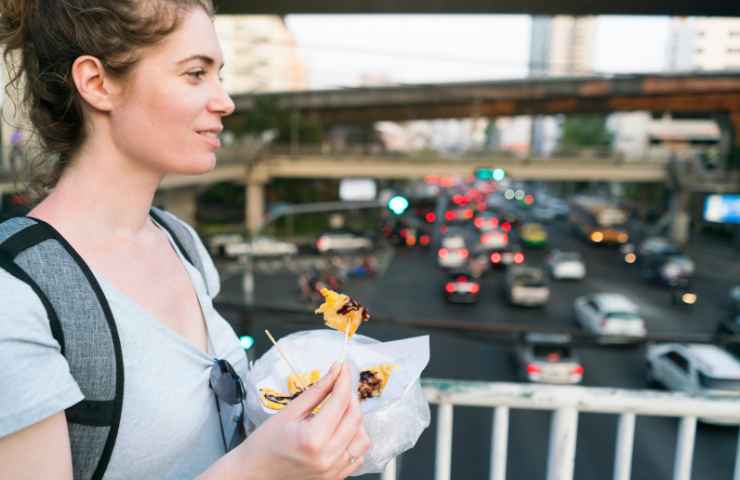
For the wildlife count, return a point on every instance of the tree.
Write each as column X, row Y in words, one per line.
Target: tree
column 585, row 131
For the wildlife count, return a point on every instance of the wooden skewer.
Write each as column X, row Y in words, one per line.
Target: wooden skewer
column 346, row 341
column 290, row 365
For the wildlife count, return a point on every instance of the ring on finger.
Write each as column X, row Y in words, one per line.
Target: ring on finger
column 352, row 458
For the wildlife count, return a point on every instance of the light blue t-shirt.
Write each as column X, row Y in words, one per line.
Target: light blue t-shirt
column 169, row 424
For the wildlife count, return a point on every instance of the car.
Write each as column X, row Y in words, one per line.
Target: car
column 697, row 369
column 342, row 241
column 409, row 232
column 495, row 239
column 533, row 235
column 485, row 222
column 512, row 254
column 609, row 314
column 461, row 287
column 217, row 243
column 261, row 246
column 665, row 264
column 458, row 215
column 547, row 358
column 566, row 265
column 544, row 214
column 734, row 301
column 452, row 253
column 527, row 287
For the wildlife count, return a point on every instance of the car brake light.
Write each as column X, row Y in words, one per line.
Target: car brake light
column 495, row 257
column 449, row 215
column 478, row 222
column 474, row 288
column 506, row 227
column 468, row 213
column 410, row 240
column 519, row 258
column 321, row 244
column 442, row 252
column 450, row 287
column 532, row 368
column 424, row 240
column 461, row 278
column 403, row 232
column 464, row 252
column 430, row 217
column 494, row 222
column 577, row 370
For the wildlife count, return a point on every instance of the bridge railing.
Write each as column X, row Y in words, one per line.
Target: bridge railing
column 565, row 403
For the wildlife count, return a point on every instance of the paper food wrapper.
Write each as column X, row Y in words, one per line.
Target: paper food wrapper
column 394, row 421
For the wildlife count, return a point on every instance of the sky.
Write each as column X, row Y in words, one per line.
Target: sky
column 344, row 50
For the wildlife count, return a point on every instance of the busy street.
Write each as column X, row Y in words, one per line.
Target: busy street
column 411, row 289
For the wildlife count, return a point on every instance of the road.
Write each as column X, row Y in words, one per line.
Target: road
column 411, row 288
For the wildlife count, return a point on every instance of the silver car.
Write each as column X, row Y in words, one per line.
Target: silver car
column 609, row 314
column 695, row 369
column 548, row 358
column 527, row 286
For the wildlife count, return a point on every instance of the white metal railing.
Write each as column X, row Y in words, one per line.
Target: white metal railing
column 566, row 402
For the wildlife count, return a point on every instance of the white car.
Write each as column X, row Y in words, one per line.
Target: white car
column 566, row 265
column 217, row 243
column 609, row 314
column 527, row 286
column 342, row 241
column 695, row 369
column 495, row 239
column 261, row 247
column 453, row 252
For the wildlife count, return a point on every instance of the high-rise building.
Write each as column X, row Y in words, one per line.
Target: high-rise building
column 260, row 54
column 559, row 46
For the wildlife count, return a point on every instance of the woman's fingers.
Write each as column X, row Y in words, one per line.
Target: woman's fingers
column 304, row 404
column 332, row 411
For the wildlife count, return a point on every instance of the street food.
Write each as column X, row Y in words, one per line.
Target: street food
column 275, row 400
column 342, row 311
column 373, row 380
column 296, row 380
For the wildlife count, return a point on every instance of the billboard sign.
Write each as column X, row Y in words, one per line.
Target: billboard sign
column 722, row 208
column 354, row 189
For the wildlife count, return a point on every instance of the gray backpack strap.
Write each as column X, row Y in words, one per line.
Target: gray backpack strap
column 82, row 322
column 183, row 239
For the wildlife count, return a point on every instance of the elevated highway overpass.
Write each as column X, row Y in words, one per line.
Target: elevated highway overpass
column 722, row 8
column 708, row 93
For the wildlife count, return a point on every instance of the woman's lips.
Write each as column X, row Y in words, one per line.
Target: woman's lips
column 211, row 138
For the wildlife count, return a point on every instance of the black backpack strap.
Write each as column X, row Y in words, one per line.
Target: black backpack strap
column 35, row 253
column 183, row 239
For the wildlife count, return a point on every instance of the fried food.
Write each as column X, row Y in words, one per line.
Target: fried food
column 341, row 310
column 307, row 379
column 374, row 379
column 275, row 400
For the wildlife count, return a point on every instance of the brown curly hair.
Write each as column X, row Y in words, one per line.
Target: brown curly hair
column 43, row 38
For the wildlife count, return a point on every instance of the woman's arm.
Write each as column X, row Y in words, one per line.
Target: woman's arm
column 38, row 451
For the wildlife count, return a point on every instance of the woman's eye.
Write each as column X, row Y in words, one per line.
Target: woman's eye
column 197, row 74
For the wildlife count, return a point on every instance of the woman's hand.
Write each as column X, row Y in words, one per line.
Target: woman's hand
column 296, row 444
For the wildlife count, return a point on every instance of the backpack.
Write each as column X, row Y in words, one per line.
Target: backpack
column 82, row 322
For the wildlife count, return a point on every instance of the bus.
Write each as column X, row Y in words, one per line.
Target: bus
column 598, row 220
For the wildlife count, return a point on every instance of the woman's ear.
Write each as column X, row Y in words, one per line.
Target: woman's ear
column 95, row 87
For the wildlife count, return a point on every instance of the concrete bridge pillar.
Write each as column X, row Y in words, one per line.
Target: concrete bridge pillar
column 179, row 201
column 255, row 207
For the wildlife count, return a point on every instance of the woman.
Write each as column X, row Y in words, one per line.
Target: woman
column 123, row 92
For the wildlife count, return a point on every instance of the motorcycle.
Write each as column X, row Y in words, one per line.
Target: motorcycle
column 682, row 294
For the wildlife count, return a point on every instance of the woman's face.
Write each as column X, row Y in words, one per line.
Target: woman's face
column 169, row 114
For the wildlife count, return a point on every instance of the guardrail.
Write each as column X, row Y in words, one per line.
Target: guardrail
column 566, row 402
